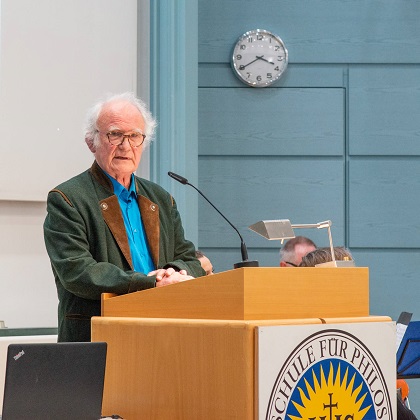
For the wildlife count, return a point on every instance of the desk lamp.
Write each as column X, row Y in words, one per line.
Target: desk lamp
column 283, row 229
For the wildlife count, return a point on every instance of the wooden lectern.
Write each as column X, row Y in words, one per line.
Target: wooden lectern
column 188, row 350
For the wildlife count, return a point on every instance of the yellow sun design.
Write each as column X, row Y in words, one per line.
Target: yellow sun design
column 330, row 398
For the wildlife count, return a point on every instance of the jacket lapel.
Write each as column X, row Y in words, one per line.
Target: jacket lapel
column 150, row 216
column 111, row 213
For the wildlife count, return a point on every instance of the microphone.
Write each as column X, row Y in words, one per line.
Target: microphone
column 244, row 252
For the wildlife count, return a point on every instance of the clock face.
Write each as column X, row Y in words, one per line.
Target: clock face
column 259, row 58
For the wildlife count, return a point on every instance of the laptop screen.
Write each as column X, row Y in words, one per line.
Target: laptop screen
column 54, row 381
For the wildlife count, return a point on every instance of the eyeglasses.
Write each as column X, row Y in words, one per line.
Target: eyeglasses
column 292, row 264
column 116, row 138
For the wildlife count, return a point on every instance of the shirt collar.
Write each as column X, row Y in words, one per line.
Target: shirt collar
column 120, row 189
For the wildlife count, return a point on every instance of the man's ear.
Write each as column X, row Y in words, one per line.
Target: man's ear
column 91, row 144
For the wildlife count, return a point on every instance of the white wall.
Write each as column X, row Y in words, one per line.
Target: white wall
column 27, row 291
column 56, row 60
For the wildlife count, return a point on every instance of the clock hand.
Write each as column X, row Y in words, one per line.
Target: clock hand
column 246, row 65
column 260, row 57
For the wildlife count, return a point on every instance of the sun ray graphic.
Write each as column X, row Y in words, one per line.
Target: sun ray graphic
column 330, row 398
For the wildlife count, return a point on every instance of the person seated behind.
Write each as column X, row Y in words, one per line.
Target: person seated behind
column 294, row 249
column 323, row 255
column 205, row 262
column 403, row 407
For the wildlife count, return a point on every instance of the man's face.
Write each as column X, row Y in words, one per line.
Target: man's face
column 300, row 251
column 118, row 161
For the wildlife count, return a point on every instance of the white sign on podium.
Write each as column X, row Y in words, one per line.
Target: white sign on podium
column 327, row 372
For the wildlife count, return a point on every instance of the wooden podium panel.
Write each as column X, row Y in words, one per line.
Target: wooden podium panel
column 179, row 369
column 253, row 293
column 184, row 369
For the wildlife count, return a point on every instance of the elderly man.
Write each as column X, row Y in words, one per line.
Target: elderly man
column 294, row 249
column 108, row 230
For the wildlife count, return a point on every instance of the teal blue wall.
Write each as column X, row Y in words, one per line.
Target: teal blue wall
column 337, row 138
column 173, row 100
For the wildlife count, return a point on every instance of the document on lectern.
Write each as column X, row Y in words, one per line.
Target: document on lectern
column 402, row 324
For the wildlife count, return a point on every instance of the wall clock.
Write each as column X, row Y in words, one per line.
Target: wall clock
column 259, row 58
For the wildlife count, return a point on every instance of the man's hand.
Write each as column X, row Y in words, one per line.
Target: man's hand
column 169, row 276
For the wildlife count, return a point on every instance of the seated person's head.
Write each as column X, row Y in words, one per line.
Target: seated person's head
column 323, row 255
column 205, row 262
column 294, row 249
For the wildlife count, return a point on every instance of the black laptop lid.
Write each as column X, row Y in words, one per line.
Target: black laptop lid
column 54, row 381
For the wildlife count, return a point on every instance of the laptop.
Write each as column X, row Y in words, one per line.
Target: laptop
column 54, row 381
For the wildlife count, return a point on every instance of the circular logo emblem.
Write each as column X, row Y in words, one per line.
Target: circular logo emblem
column 331, row 375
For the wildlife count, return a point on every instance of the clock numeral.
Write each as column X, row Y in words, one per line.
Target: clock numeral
column 277, row 68
column 277, row 47
column 269, row 76
column 241, row 67
column 260, row 37
column 259, row 78
column 243, row 47
column 248, row 75
column 238, row 56
column 280, row 58
column 250, row 39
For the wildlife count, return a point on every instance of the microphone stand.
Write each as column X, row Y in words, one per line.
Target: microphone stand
column 244, row 252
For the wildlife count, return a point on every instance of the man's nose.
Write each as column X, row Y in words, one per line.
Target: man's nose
column 125, row 144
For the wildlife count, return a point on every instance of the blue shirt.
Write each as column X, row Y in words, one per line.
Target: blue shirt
column 140, row 254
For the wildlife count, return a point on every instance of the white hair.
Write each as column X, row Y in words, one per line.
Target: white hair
column 91, row 127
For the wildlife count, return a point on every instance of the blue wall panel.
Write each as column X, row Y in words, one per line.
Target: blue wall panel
column 384, row 105
column 271, row 121
column 316, row 31
column 263, row 188
column 394, row 277
column 384, row 206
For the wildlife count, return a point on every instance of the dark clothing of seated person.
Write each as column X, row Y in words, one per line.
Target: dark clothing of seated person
column 403, row 412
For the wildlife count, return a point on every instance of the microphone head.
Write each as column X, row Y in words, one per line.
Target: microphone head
column 178, row 178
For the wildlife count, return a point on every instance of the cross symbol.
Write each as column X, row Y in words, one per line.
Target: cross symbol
column 330, row 406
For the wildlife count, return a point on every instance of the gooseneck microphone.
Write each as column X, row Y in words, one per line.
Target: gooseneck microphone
column 244, row 252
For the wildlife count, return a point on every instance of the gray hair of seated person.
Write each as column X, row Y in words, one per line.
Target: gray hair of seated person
column 287, row 252
column 91, row 129
column 323, row 255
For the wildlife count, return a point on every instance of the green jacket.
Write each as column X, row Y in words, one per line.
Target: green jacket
column 87, row 244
